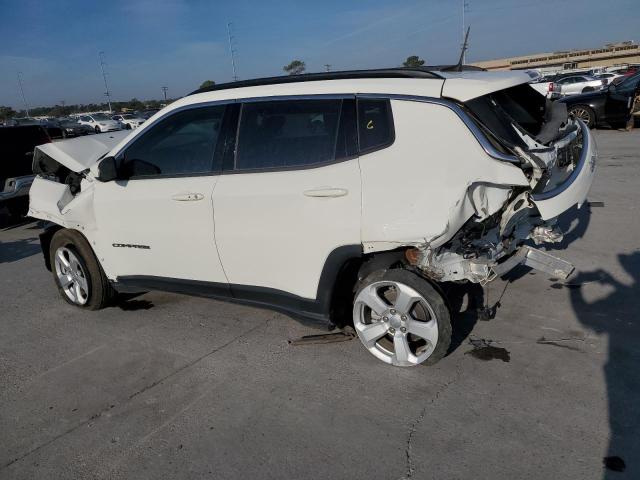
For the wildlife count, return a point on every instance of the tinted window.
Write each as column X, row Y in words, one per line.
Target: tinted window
column 183, row 143
column 375, row 125
column 287, row 133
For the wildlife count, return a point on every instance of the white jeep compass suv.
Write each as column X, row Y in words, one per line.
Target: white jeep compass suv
column 348, row 197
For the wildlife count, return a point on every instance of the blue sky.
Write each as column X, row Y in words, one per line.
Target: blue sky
column 180, row 43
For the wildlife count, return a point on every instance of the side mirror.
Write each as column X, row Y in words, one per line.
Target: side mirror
column 107, row 170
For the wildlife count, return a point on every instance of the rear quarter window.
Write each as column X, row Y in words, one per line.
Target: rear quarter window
column 375, row 124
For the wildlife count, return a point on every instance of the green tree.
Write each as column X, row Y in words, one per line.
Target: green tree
column 207, row 84
column 296, row 67
column 413, row 61
column 6, row 112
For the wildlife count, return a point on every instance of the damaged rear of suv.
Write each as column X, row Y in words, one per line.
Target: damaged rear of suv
column 557, row 156
column 347, row 197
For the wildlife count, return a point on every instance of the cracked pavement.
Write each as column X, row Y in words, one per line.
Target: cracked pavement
column 169, row 386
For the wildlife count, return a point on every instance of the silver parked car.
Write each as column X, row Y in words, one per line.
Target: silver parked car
column 576, row 84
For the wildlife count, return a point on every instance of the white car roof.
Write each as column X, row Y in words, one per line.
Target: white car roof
column 461, row 86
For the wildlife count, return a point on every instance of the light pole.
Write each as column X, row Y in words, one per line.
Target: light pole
column 104, row 77
column 26, row 105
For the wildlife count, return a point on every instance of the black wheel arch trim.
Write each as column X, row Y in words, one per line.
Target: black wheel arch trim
column 45, row 242
column 318, row 309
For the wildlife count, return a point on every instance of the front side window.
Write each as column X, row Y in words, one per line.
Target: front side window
column 281, row 134
column 375, row 124
column 182, row 144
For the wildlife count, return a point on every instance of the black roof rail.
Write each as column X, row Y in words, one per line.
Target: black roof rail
column 400, row 72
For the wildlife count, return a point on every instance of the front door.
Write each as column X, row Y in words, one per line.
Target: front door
column 157, row 221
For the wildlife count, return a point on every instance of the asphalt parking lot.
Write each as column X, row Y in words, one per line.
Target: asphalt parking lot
column 169, row 386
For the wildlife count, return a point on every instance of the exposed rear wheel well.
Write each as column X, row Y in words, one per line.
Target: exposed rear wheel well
column 45, row 243
column 350, row 273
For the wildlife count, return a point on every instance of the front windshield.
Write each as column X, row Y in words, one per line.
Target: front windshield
column 100, row 116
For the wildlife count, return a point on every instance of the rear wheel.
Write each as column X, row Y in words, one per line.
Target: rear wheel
column 76, row 271
column 584, row 113
column 401, row 318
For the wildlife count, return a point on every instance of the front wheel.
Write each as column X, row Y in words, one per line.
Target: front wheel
column 401, row 318
column 76, row 271
column 584, row 113
column 97, row 129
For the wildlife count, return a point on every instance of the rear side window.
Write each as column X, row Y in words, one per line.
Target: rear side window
column 375, row 124
column 282, row 134
column 181, row 144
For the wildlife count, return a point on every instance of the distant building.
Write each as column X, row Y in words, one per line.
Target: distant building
column 611, row 54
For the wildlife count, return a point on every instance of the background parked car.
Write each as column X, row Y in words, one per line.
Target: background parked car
column 129, row 120
column 612, row 106
column 53, row 128
column 546, row 88
column 72, row 128
column 16, row 158
column 609, row 76
column 576, row 84
column 100, row 122
column 146, row 114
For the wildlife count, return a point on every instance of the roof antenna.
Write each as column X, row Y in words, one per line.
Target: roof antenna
column 460, row 64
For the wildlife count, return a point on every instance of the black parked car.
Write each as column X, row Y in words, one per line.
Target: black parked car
column 16, row 159
column 612, row 106
column 53, row 129
column 72, row 128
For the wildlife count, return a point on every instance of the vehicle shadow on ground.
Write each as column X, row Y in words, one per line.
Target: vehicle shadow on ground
column 18, row 249
column 615, row 316
column 129, row 302
column 574, row 224
column 465, row 302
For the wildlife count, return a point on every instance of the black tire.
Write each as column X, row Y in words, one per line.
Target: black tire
column 127, row 127
column 100, row 292
column 97, row 129
column 587, row 89
column 584, row 113
column 430, row 293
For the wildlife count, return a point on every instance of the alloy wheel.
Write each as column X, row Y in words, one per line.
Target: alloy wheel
column 395, row 323
column 71, row 276
column 582, row 114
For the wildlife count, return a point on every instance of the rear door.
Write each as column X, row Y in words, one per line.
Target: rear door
column 158, row 220
column 289, row 195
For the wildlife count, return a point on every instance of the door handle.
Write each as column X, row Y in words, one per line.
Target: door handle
column 326, row 192
column 187, row 197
